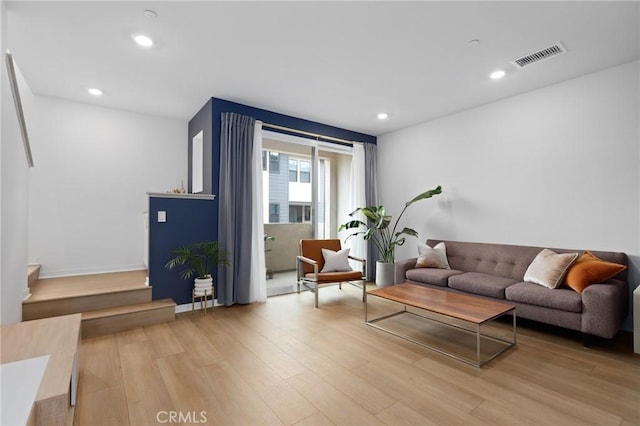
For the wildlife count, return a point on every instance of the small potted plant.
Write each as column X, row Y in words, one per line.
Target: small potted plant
column 268, row 237
column 199, row 259
column 377, row 228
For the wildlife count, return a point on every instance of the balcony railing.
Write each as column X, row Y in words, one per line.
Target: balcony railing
column 284, row 249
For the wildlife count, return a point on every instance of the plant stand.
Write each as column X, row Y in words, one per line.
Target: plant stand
column 203, row 300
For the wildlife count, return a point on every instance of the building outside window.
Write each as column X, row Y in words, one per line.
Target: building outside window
column 305, row 171
column 274, row 162
column 299, row 213
column 293, row 170
column 274, row 213
column 287, row 188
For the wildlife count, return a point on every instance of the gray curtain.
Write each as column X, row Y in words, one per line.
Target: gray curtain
column 235, row 207
column 371, row 196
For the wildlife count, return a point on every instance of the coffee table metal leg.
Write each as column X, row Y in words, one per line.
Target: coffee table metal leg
column 478, row 345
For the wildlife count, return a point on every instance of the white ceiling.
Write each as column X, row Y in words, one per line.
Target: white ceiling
column 338, row 63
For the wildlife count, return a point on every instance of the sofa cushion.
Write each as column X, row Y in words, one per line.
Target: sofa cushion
column 533, row 294
column 588, row 270
column 432, row 275
column 482, row 284
column 549, row 268
column 435, row 257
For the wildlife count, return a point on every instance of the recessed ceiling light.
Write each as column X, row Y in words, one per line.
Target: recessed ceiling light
column 497, row 75
column 143, row 40
column 383, row 116
column 94, row 91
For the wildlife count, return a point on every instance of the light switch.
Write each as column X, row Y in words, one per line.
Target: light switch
column 162, row 216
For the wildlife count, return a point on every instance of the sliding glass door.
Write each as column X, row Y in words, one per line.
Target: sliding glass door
column 302, row 199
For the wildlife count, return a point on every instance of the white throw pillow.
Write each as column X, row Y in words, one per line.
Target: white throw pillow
column 435, row 257
column 336, row 261
column 549, row 268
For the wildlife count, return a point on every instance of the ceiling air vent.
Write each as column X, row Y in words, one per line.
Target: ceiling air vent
column 548, row 52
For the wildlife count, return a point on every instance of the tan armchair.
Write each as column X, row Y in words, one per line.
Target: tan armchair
column 310, row 263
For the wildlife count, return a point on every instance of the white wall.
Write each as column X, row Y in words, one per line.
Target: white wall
column 13, row 197
column 87, row 192
column 558, row 167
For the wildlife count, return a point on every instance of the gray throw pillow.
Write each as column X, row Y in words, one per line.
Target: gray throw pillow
column 336, row 261
column 549, row 268
column 435, row 257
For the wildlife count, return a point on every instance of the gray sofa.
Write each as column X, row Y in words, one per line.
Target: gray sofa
column 496, row 271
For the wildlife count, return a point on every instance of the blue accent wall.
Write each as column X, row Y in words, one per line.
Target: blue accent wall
column 191, row 220
column 188, row 221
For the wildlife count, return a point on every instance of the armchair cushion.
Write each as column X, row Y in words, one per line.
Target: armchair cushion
column 312, row 249
column 336, row 261
column 329, row 277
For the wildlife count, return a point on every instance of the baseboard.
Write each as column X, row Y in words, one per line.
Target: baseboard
column 44, row 274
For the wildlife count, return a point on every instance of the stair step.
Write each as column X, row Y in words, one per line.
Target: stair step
column 119, row 318
column 33, row 274
column 35, row 308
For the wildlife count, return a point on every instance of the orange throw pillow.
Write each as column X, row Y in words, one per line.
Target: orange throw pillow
column 588, row 270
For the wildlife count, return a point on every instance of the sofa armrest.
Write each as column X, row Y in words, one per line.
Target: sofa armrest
column 604, row 307
column 402, row 266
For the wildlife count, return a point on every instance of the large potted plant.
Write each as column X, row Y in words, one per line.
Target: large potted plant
column 377, row 228
column 199, row 259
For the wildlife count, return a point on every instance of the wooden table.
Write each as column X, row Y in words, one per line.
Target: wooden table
column 449, row 308
column 59, row 338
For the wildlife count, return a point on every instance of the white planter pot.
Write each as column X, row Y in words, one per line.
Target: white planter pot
column 203, row 284
column 385, row 274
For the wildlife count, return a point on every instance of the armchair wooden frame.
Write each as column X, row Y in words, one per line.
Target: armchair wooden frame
column 309, row 266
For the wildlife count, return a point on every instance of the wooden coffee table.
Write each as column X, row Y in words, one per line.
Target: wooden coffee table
column 463, row 312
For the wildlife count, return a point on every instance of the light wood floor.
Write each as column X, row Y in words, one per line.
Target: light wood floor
column 285, row 362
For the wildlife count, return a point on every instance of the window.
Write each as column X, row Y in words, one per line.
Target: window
column 299, row 213
column 293, row 170
column 264, row 160
column 274, row 213
column 305, row 171
column 274, row 162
